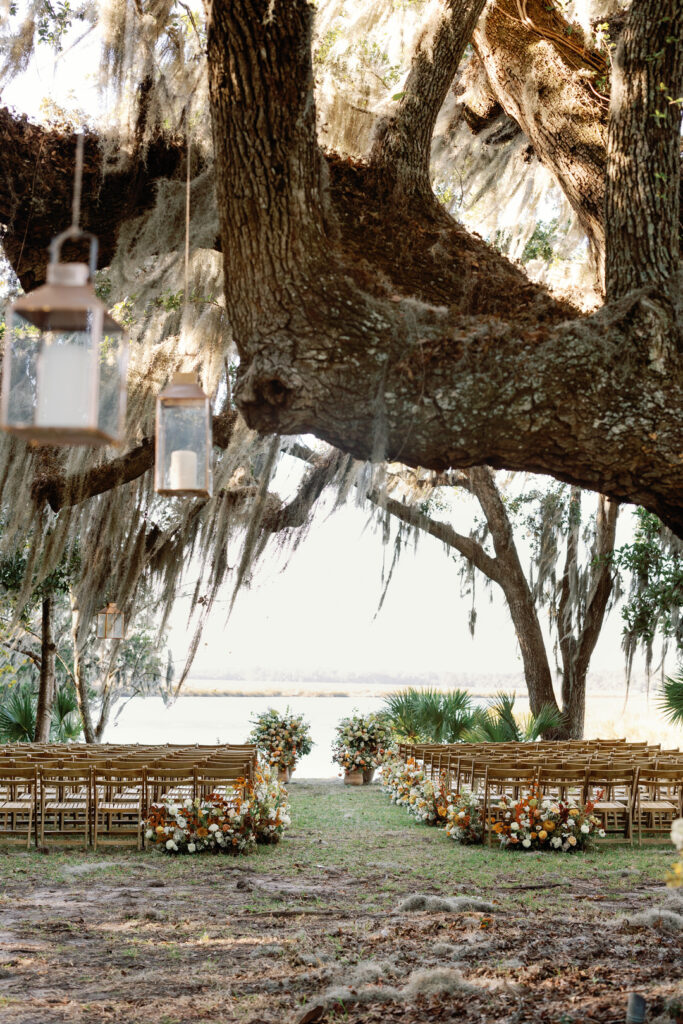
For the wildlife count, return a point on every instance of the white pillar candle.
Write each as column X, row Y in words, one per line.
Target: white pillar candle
column 183, row 473
column 64, row 384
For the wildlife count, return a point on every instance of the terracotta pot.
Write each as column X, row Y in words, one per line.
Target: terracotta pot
column 368, row 776
column 353, row 778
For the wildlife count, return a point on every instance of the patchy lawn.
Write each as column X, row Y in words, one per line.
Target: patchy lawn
column 307, row 931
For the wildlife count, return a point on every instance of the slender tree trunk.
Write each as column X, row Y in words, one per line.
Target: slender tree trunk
column 579, row 633
column 46, row 691
column 80, row 675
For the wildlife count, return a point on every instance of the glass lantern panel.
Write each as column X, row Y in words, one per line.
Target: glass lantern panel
column 115, row 626
column 184, row 447
column 112, row 380
column 52, row 370
column 110, row 626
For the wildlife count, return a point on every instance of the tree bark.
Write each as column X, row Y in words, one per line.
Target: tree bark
column 80, row 674
column 546, row 84
column 327, row 348
column 402, row 145
column 46, row 685
column 643, row 162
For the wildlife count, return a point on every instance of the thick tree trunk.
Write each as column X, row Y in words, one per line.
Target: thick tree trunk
column 326, row 347
column 546, row 84
column 46, row 686
column 80, row 675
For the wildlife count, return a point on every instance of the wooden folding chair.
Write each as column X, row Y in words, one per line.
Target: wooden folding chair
column 65, row 798
column 612, row 792
column 659, row 800
column 504, row 782
column 118, row 800
column 18, row 787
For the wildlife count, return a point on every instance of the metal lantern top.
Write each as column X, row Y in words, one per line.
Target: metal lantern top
column 111, row 623
column 183, row 439
column 184, row 389
column 64, row 370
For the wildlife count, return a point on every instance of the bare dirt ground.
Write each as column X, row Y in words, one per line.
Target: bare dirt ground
column 310, row 931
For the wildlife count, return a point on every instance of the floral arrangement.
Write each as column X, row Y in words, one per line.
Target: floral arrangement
column 282, row 738
column 409, row 787
column 675, row 878
column 270, row 806
column 536, row 822
column 361, row 742
column 256, row 812
column 465, row 823
column 216, row 823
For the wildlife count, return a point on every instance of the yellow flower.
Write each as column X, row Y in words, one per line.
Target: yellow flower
column 543, row 834
column 549, row 826
column 574, row 812
column 572, row 840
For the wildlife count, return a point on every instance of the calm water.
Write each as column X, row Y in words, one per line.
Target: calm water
column 226, row 720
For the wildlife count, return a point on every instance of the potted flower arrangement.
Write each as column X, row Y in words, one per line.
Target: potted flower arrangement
column 282, row 739
column 359, row 747
column 537, row 822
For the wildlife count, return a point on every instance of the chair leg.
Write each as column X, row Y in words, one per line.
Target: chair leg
column 30, row 822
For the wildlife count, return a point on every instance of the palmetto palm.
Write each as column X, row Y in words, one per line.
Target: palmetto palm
column 430, row 716
column 670, row 700
column 498, row 723
column 66, row 722
column 18, row 715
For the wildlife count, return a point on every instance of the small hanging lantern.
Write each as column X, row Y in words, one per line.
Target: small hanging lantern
column 64, row 371
column 111, row 623
column 183, row 439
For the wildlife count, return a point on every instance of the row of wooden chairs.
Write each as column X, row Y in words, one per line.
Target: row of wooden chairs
column 642, row 796
column 91, row 799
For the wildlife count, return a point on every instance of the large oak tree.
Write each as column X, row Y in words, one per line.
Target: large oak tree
column 363, row 313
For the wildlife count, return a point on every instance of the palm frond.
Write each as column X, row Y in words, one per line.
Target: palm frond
column 670, row 699
column 66, row 722
column 18, row 715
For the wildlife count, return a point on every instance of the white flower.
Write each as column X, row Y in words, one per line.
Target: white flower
column 556, row 842
column 526, row 843
column 677, row 833
column 602, row 833
column 585, row 829
column 149, row 833
column 514, row 827
column 170, row 845
column 191, row 847
column 213, row 827
column 461, row 814
column 508, row 815
column 181, row 822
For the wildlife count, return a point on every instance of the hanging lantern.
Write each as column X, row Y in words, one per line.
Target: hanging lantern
column 111, row 623
column 64, row 370
column 183, row 439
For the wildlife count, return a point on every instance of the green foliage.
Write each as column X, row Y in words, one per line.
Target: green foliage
column 18, row 707
column 498, row 723
column 670, row 699
column 54, row 21
column 541, row 244
column 655, row 563
column 430, row 716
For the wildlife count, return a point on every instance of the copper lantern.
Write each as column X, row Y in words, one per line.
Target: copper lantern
column 111, row 623
column 65, row 362
column 183, row 439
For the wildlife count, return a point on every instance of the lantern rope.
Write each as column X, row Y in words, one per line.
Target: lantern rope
column 78, row 183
